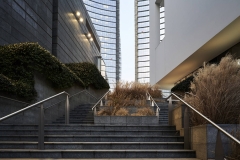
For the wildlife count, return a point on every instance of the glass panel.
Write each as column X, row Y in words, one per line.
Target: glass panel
column 141, row 3
column 143, row 64
column 143, row 52
column 142, row 35
column 143, row 24
column 143, row 69
column 144, row 40
column 143, row 19
column 143, row 8
column 143, row 75
column 143, row 58
column 141, row 46
column 145, row 29
column 144, row 13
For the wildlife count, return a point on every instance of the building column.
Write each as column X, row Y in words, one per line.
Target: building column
column 154, row 36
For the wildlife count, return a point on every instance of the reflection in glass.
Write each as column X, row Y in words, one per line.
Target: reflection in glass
column 104, row 18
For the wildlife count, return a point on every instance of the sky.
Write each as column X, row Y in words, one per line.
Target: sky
column 127, row 40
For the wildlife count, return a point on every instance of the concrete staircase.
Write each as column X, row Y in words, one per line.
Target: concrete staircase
column 93, row 141
column 81, row 114
column 163, row 114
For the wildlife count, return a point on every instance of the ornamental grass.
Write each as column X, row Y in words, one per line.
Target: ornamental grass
column 215, row 92
column 127, row 94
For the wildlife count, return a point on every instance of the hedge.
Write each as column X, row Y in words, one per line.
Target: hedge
column 19, row 62
column 183, row 86
column 89, row 73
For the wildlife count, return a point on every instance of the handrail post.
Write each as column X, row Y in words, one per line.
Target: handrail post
column 41, row 128
column 95, row 111
column 157, row 112
column 219, row 151
column 186, row 129
column 67, row 110
column 169, row 110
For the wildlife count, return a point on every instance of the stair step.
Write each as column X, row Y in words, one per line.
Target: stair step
column 93, row 145
column 90, row 127
column 136, row 153
column 93, row 138
column 89, row 132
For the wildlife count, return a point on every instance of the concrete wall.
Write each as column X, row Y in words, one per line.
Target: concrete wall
column 196, row 31
column 26, row 21
column 203, row 137
column 45, row 90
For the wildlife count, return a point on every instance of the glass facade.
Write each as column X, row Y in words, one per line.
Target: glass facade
column 105, row 17
column 142, row 53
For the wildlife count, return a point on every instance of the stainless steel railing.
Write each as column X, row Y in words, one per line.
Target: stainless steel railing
column 71, row 97
column 41, row 119
column 152, row 102
column 99, row 101
column 219, row 148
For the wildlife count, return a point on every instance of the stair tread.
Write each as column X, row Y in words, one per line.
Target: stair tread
column 23, row 142
column 134, row 136
column 98, row 150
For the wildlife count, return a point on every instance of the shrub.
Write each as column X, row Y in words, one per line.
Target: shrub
column 130, row 90
column 215, row 92
column 89, row 74
column 155, row 91
column 20, row 61
column 122, row 112
column 144, row 111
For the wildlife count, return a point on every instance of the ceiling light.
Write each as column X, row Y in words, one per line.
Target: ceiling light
column 89, row 35
column 78, row 14
column 91, row 39
column 81, row 19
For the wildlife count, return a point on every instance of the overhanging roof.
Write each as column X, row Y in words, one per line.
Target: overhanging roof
column 225, row 39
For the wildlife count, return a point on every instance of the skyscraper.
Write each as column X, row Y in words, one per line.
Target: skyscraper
column 142, row 45
column 105, row 17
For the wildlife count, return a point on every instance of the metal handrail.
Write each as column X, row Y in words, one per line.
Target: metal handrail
column 154, row 101
column 100, row 99
column 90, row 94
column 70, row 97
column 14, row 100
column 214, row 124
column 31, row 106
column 41, row 116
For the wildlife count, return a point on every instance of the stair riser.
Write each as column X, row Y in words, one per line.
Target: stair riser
column 93, row 146
column 89, row 127
column 88, row 154
column 95, row 139
column 155, row 133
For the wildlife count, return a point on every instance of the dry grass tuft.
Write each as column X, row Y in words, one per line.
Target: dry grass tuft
column 106, row 111
column 155, row 91
column 144, row 111
column 128, row 94
column 215, row 92
column 122, row 112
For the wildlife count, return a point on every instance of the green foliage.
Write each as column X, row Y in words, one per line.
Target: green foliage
column 183, row 86
column 89, row 74
column 19, row 62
